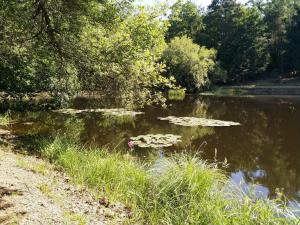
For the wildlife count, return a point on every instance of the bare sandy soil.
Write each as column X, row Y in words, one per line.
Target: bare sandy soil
column 32, row 192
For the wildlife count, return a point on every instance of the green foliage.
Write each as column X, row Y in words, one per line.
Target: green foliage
column 41, row 101
column 293, row 51
column 108, row 173
column 5, row 119
column 218, row 74
column 179, row 190
column 64, row 47
column 185, row 20
column 278, row 19
column 124, row 60
column 237, row 33
column 114, row 47
column 251, row 39
column 189, row 63
column 176, row 94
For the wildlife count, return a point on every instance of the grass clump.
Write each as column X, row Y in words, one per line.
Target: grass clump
column 178, row 190
column 5, row 119
column 75, row 218
column 35, row 167
column 110, row 174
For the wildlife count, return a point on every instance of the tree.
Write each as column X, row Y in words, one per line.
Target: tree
column 278, row 19
column 293, row 49
column 237, row 33
column 63, row 47
column 185, row 20
column 189, row 63
column 37, row 45
column 124, row 61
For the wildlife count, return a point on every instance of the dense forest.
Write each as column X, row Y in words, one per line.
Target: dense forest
column 134, row 53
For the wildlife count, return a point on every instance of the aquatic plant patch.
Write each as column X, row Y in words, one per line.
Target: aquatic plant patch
column 69, row 111
column 155, row 140
column 122, row 113
column 114, row 112
column 195, row 121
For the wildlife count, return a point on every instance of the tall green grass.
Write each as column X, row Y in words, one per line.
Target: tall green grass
column 179, row 190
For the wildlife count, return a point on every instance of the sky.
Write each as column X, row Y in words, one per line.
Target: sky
column 203, row 3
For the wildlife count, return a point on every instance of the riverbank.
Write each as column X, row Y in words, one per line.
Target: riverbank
column 179, row 190
column 271, row 86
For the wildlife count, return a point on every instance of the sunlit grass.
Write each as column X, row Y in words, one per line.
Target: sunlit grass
column 178, row 190
column 47, row 190
column 35, row 167
column 76, row 218
column 5, row 119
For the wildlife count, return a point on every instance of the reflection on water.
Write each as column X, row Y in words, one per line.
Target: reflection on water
column 264, row 150
column 250, row 188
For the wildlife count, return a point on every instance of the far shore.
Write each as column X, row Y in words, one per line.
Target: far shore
column 266, row 87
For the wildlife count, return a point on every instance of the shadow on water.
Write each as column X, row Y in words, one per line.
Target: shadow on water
column 264, row 150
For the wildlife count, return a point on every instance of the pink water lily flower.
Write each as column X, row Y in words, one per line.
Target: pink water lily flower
column 131, row 145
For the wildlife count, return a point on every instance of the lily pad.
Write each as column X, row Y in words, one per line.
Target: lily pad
column 195, row 121
column 123, row 113
column 156, row 140
column 69, row 111
column 114, row 112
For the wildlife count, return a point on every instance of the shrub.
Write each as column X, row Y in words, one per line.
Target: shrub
column 189, row 63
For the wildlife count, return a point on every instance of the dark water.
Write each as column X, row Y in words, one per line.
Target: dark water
column 264, row 150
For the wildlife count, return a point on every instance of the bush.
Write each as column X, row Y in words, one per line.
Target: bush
column 189, row 63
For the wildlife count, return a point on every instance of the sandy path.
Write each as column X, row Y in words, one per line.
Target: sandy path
column 31, row 192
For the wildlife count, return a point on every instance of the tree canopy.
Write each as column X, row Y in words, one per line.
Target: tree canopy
column 292, row 54
column 68, row 46
column 185, row 20
column 238, row 34
column 251, row 39
column 117, row 48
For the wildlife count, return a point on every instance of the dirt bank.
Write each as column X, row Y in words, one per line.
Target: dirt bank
column 32, row 192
